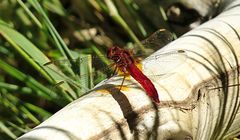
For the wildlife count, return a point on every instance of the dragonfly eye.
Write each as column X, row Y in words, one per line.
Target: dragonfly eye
column 118, row 60
column 112, row 52
column 115, row 58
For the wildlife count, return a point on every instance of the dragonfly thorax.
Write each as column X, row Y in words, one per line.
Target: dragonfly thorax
column 122, row 58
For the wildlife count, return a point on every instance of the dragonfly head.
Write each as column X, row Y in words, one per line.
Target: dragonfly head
column 121, row 57
column 114, row 52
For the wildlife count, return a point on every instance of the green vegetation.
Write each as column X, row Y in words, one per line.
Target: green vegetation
column 34, row 32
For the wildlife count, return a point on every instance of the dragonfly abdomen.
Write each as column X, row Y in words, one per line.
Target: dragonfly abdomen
column 145, row 82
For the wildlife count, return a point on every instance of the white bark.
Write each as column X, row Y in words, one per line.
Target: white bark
column 192, row 106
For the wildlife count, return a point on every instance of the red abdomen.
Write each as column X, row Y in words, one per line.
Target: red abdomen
column 145, row 82
column 125, row 63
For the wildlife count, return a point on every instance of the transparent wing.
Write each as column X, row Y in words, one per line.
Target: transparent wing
column 155, row 42
column 158, row 39
column 82, row 76
column 162, row 63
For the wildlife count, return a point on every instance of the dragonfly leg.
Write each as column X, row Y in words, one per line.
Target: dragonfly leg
column 114, row 72
column 122, row 83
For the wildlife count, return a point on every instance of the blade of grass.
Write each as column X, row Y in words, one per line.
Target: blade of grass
column 17, row 127
column 82, row 35
column 58, row 40
column 60, row 44
column 136, row 17
column 54, row 6
column 30, row 82
column 31, row 15
column 113, row 12
column 12, row 87
column 99, row 53
column 29, row 114
column 41, row 112
column 5, row 129
column 22, row 45
column 86, row 70
column 34, row 56
column 15, row 105
column 25, row 90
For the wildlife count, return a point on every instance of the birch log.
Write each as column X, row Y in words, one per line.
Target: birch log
column 199, row 94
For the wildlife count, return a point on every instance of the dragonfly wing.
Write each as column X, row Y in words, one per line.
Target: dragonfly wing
column 81, row 77
column 158, row 39
column 81, row 74
column 169, row 62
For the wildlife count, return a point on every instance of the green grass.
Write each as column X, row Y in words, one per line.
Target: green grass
column 33, row 33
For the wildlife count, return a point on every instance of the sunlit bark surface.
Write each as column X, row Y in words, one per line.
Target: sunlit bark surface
column 199, row 93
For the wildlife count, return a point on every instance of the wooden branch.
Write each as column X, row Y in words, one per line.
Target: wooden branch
column 199, row 94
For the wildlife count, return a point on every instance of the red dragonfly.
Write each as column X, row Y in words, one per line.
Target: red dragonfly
column 125, row 62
